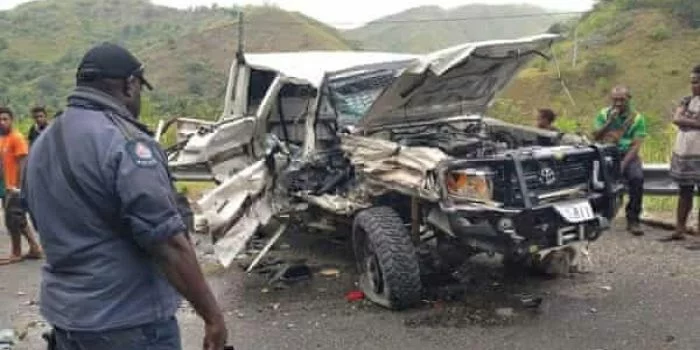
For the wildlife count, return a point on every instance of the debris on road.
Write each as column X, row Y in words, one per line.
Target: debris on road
column 291, row 274
column 330, row 272
column 531, row 302
column 606, row 288
column 284, row 246
column 505, row 312
column 354, row 295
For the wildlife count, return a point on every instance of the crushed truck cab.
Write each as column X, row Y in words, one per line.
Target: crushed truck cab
column 397, row 151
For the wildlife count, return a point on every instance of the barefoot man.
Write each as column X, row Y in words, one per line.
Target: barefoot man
column 13, row 150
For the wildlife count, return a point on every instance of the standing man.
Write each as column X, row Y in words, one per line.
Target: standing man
column 622, row 125
column 100, row 194
column 40, row 123
column 685, row 160
column 13, row 150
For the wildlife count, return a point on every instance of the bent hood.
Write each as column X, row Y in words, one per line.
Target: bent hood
column 457, row 81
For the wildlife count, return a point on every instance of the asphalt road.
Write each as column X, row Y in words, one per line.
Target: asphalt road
column 639, row 294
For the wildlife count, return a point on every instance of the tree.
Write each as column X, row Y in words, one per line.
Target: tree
column 47, row 86
column 689, row 10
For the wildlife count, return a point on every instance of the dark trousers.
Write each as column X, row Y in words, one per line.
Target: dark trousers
column 163, row 335
column 15, row 216
column 634, row 175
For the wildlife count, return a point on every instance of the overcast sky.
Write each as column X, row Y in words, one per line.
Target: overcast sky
column 355, row 11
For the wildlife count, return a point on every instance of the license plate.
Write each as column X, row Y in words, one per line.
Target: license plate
column 575, row 212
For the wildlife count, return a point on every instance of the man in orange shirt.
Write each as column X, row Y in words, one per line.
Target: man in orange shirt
column 13, row 151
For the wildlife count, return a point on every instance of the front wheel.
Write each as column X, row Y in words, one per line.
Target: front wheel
column 387, row 259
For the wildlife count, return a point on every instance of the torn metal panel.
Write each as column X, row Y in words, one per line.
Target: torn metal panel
column 387, row 162
column 204, row 146
column 280, row 230
column 460, row 80
column 218, row 152
column 311, row 66
column 530, row 133
column 222, row 204
column 236, row 209
column 234, row 241
column 189, row 126
column 336, row 204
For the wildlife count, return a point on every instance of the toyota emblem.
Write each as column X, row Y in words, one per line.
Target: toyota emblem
column 547, row 176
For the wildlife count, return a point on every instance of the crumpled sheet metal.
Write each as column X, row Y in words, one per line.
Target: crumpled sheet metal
column 336, row 204
column 236, row 209
column 388, row 162
column 234, row 241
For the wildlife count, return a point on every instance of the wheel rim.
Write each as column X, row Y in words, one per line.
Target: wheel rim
column 374, row 273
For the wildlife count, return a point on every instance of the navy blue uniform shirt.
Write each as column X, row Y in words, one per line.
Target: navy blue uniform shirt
column 98, row 274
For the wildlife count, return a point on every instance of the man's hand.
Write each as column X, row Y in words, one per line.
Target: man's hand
column 623, row 164
column 679, row 111
column 215, row 335
column 685, row 124
column 681, row 123
column 600, row 133
column 631, row 154
column 178, row 261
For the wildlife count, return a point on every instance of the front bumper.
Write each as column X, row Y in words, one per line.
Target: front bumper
column 529, row 230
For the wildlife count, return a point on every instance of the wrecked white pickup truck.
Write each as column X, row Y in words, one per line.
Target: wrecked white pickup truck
column 397, row 150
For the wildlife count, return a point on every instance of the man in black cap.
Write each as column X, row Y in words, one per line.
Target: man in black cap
column 101, row 197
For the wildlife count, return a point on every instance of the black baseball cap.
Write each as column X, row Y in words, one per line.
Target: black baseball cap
column 111, row 61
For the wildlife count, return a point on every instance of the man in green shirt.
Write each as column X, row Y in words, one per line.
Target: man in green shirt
column 622, row 125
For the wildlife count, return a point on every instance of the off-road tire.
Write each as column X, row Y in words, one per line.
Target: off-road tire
column 380, row 233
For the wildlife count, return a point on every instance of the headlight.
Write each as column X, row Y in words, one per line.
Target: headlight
column 471, row 184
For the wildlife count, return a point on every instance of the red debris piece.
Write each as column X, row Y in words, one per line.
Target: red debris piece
column 354, row 295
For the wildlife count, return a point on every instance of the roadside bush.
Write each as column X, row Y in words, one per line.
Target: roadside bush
column 601, row 66
column 689, row 10
column 541, row 65
column 619, row 25
column 660, row 33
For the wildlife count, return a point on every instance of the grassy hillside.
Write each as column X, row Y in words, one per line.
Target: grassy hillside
column 186, row 51
column 650, row 48
column 416, row 30
column 195, row 65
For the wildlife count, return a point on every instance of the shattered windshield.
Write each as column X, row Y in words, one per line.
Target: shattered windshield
column 352, row 95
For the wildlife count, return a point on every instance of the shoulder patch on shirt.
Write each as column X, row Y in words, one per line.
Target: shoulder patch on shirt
column 142, row 153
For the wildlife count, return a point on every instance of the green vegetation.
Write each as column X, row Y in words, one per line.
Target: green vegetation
column 186, row 52
column 409, row 31
column 644, row 44
column 650, row 45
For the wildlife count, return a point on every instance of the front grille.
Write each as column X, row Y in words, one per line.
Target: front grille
column 555, row 175
column 542, row 177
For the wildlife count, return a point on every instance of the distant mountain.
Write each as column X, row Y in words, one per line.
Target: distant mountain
column 186, row 52
column 429, row 28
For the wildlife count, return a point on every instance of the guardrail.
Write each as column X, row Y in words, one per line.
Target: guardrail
column 657, row 180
